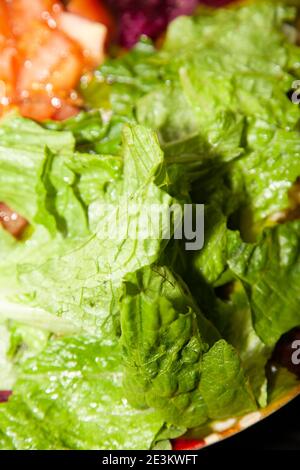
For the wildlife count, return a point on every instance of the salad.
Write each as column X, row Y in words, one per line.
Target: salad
column 112, row 334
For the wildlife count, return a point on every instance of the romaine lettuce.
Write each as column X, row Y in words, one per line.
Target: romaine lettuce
column 104, row 344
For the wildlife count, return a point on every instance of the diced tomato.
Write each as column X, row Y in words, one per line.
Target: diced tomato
column 4, row 20
column 50, row 60
column 37, row 105
column 89, row 35
column 44, row 50
column 24, row 12
column 187, row 444
column 8, row 73
column 65, row 112
column 51, row 67
column 94, row 10
column 11, row 221
column 8, row 64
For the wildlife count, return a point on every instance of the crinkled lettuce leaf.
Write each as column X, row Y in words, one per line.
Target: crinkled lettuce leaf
column 22, row 159
column 270, row 273
column 210, row 263
column 175, row 361
column 268, row 172
column 233, row 318
column 94, row 131
column 217, row 94
column 81, row 275
column 206, row 118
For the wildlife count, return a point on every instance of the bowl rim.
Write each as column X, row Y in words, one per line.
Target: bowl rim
column 225, row 429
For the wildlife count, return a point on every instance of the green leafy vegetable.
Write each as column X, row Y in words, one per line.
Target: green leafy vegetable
column 81, row 275
column 270, row 272
column 169, row 364
column 69, row 396
column 223, row 384
column 111, row 335
column 219, row 101
column 7, row 376
column 234, row 320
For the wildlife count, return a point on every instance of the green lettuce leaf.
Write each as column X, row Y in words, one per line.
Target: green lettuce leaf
column 270, row 273
column 281, row 384
column 206, row 118
column 269, row 171
column 94, row 131
column 217, row 94
column 172, row 354
column 22, row 158
column 223, row 384
column 7, row 374
column 211, row 262
column 81, row 275
column 70, row 396
column 233, row 318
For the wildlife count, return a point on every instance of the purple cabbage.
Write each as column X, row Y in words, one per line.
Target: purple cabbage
column 4, row 395
column 149, row 17
column 134, row 23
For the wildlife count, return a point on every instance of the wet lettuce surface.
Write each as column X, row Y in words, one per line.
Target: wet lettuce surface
column 118, row 342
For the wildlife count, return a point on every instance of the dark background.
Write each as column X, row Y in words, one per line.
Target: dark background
column 279, row 431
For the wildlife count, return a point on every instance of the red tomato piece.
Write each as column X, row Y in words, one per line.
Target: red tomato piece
column 44, row 51
column 51, row 62
column 8, row 64
column 52, row 65
column 11, row 221
column 65, row 112
column 4, row 20
column 187, row 444
column 24, row 12
column 8, row 73
column 93, row 10
column 36, row 106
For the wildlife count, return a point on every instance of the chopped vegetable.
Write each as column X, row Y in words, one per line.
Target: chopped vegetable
column 113, row 335
column 11, row 221
column 43, row 53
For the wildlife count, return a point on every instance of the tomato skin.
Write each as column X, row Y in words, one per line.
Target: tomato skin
column 51, row 67
column 36, row 106
column 24, row 12
column 8, row 65
column 50, row 60
column 91, row 9
column 187, row 444
column 8, row 58
column 65, row 112
column 4, row 21
column 44, row 50
column 11, row 221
